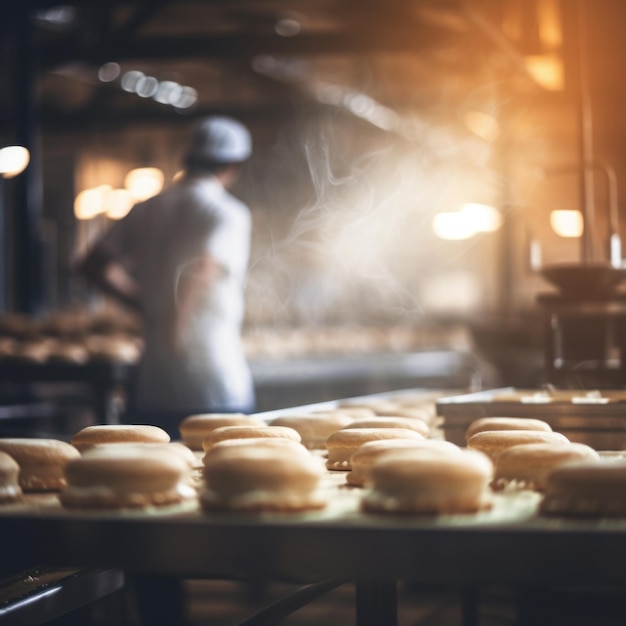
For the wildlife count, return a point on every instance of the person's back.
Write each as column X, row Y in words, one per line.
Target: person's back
column 185, row 253
column 205, row 367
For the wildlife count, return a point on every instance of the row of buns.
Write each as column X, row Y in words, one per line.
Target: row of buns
column 392, row 454
column 92, row 348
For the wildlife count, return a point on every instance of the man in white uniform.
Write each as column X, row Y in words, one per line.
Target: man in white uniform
column 181, row 257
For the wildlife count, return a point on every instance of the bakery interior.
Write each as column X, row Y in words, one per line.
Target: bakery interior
column 437, row 204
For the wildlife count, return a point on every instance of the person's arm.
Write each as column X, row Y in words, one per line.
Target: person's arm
column 195, row 279
column 104, row 271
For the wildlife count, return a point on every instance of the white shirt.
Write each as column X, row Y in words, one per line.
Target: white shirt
column 157, row 241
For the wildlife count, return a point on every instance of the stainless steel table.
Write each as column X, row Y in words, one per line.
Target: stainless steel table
column 509, row 545
column 370, row 550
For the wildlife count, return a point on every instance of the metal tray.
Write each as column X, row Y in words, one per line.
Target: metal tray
column 597, row 418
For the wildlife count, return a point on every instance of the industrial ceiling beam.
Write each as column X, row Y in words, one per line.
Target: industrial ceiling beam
column 243, row 45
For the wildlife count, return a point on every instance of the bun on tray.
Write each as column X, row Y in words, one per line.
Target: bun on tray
column 126, row 476
column 342, row 444
column 42, row 461
column 10, row 489
column 249, row 432
column 367, row 455
column 430, row 483
column 262, row 478
column 588, row 489
column 91, row 436
column 194, row 428
column 494, row 442
column 528, row 465
column 505, row 423
column 314, row 429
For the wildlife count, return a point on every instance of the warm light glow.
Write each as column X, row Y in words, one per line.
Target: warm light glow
column 567, row 223
column 482, row 125
column 453, row 225
column 91, row 202
column 119, row 203
column 13, row 160
column 473, row 218
column 484, row 218
column 144, row 182
column 546, row 70
column 549, row 23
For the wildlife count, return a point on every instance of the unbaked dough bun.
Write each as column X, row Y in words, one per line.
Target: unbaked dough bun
column 253, row 478
column 91, row 436
column 430, row 483
column 392, row 421
column 42, row 461
column 249, row 432
column 126, row 476
column 528, row 465
column 369, row 453
column 494, row 442
column 314, row 429
column 505, row 423
column 589, row 489
column 271, row 443
column 10, row 489
column 173, row 447
column 356, row 412
column 194, row 428
column 342, row 444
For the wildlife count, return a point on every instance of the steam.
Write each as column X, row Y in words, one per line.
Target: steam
column 360, row 245
column 352, row 241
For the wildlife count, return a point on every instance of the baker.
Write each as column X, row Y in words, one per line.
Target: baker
column 181, row 257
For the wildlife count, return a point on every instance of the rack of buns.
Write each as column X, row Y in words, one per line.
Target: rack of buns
column 376, row 455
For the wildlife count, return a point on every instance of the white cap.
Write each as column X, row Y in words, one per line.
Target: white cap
column 220, row 139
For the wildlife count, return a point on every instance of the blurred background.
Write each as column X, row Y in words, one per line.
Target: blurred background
column 416, row 163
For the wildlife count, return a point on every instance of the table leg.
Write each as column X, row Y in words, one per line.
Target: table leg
column 469, row 603
column 376, row 603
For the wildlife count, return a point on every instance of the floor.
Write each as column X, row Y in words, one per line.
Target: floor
column 228, row 603
column 223, row 603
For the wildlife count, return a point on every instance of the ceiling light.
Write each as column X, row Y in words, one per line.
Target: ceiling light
column 91, row 202
column 546, row 70
column 119, row 203
column 168, row 92
column 108, row 72
column 567, row 223
column 287, row 27
column 484, row 218
column 453, row 225
column 147, row 86
column 130, row 80
column 187, row 98
column 13, row 160
column 482, row 125
column 144, row 182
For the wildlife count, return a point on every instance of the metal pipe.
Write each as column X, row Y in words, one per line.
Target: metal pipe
column 585, row 140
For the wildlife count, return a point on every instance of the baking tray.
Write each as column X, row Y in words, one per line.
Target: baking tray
column 595, row 417
column 509, row 544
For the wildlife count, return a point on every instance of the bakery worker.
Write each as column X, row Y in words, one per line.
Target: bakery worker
column 181, row 257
